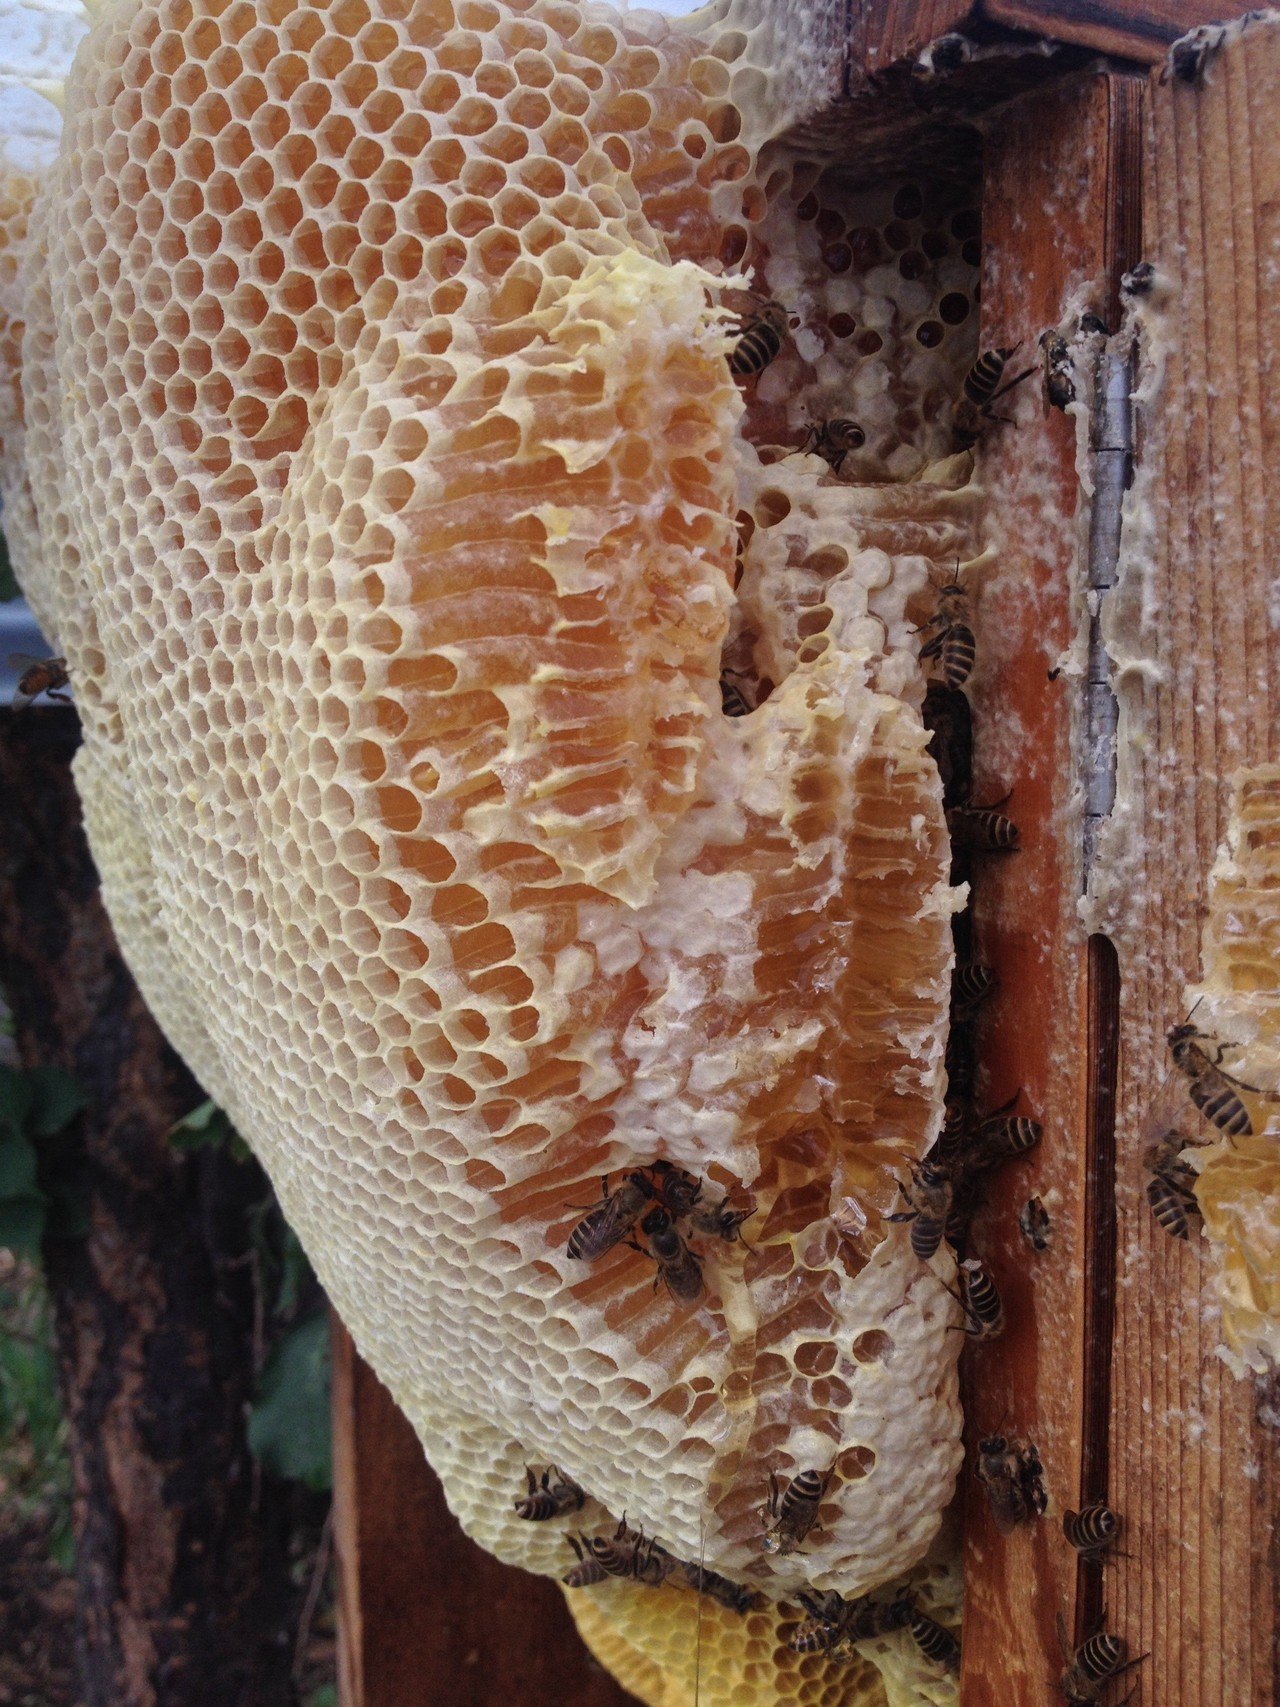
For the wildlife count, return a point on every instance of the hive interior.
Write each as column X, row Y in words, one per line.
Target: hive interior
column 382, row 477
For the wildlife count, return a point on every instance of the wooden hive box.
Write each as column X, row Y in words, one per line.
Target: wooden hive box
column 1109, row 1364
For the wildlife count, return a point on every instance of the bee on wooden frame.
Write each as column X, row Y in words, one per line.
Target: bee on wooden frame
column 1171, row 1185
column 46, row 676
column 1092, row 1531
column 1002, row 1136
column 1013, row 1476
column 1211, row 1089
column 546, row 1498
column 1059, row 373
column 982, row 390
column 983, row 829
column 1095, row 1664
column 979, row 1299
column 790, row 1513
column 950, row 640
column 1034, row 1224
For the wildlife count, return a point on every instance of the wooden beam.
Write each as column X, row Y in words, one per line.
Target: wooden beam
column 1195, row 1469
column 886, row 32
column 1055, row 230
column 425, row 1617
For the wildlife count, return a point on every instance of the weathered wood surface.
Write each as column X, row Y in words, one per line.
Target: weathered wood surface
column 425, row 1616
column 1057, row 228
column 1195, row 1471
column 886, row 31
column 183, row 1592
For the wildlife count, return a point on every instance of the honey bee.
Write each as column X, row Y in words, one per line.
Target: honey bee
column 1140, row 281
column 720, row 1221
column 789, row 1515
column 934, row 1642
column 608, row 1222
column 982, row 389
column 760, row 337
column 1093, row 1665
column 1012, row 1474
column 733, row 702
column 951, row 639
column 1210, row 1088
column 833, row 440
column 626, row 1553
column 39, row 676
column 1034, row 1224
column 982, row 829
column 545, row 1498
column 1059, row 376
column 736, row 1596
column 674, row 1190
column 979, row 1298
column 1003, row 1136
column 1171, row 1187
column 834, row 1622
column 970, row 987
column 679, row 1270
column 1091, row 1531
column 1189, row 56
column 950, row 1143
column 929, row 1196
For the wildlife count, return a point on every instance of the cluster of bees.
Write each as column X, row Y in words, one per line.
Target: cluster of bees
column 788, row 1515
column 1216, row 1093
column 660, row 1197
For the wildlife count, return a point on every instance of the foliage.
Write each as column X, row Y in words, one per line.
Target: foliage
column 33, row 1105
column 325, row 1696
column 289, row 1422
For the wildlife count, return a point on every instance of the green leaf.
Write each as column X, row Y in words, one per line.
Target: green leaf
column 205, row 1128
column 295, row 1271
column 21, row 1224
column 289, row 1421
column 325, row 1696
column 56, row 1098
column 15, row 1098
column 17, row 1167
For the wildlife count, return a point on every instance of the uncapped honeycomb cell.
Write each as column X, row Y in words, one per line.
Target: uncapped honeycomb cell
column 381, row 474
column 1239, row 1184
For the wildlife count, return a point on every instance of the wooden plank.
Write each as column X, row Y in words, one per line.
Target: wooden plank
column 426, row 1617
column 1129, row 29
column 888, row 31
column 1196, row 1473
column 1053, row 225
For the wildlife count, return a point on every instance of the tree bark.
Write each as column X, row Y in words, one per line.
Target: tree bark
column 182, row 1588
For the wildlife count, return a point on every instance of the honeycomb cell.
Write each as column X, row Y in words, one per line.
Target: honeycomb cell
column 384, row 390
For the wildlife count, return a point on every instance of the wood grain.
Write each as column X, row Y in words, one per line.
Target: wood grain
column 887, row 31
column 1054, row 221
column 425, row 1617
column 1194, row 1472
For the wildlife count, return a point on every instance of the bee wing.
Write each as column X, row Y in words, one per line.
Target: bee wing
column 1172, row 1110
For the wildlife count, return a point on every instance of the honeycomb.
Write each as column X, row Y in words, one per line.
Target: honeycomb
column 1239, row 1185
column 393, row 502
